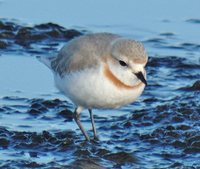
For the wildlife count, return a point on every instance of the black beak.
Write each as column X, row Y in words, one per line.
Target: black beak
column 141, row 77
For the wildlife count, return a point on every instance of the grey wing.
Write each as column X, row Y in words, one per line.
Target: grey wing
column 73, row 58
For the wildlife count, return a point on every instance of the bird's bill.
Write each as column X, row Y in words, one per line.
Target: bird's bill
column 140, row 76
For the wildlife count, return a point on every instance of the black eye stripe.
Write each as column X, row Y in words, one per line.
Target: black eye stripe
column 122, row 63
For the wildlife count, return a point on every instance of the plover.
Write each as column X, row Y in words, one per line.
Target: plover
column 99, row 71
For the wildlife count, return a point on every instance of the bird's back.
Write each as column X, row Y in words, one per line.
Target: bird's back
column 83, row 52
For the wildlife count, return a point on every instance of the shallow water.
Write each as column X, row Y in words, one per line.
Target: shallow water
column 160, row 130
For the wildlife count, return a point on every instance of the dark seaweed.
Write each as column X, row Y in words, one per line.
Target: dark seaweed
column 38, row 39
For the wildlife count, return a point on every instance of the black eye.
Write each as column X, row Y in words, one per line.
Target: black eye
column 122, row 63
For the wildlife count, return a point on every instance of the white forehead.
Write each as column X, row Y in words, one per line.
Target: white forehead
column 137, row 67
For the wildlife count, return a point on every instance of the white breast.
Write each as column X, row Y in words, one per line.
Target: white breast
column 90, row 88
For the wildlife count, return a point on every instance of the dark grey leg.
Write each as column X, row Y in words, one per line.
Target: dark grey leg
column 93, row 124
column 77, row 119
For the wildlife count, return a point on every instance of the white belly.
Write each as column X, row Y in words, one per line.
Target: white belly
column 91, row 89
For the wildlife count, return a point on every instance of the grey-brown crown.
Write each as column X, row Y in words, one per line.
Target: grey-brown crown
column 131, row 49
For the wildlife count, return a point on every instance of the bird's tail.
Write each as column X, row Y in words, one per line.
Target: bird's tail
column 45, row 60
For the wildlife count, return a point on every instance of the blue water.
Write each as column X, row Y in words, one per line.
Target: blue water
column 160, row 130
